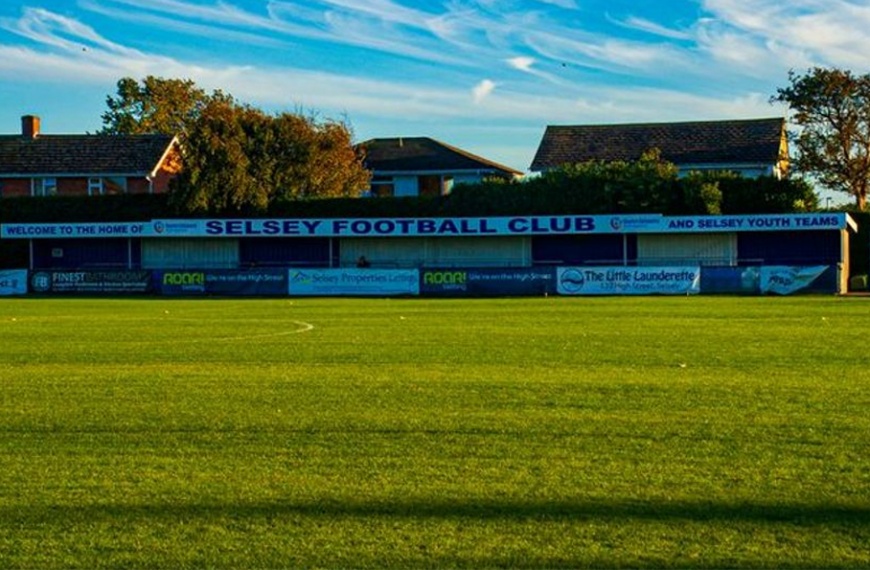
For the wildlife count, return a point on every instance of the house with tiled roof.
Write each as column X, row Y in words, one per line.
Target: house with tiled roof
column 752, row 148
column 421, row 166
column 37, row 164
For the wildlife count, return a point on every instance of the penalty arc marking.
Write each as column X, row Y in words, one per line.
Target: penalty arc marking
column 303, row 328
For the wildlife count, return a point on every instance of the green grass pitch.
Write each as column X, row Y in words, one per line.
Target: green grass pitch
column 521, row 433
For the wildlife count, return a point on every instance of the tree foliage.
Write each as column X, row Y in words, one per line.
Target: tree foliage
column 156, row 105
column 240, row 159
column 832, row 109
column 236, row 158
column 648, row 185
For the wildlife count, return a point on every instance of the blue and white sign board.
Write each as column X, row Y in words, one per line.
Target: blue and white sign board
column 785, row 280
column 354, row 282
column 66, row 231
column 488, row 281
column 13, row 282
column 499, row 226
column 628, row 280
column 433, row 227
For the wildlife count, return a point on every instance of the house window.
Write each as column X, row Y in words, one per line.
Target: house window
column 446, row 185
column 429, row 185
column 44, row 186
column 107, row 185
column 95, row 186
column 114, row 185
column 382, row 186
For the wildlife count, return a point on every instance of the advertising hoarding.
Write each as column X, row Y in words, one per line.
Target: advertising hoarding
column 354, row 282
column 13, row 282
column 265, row 282
column 678, row 280
column 488, row 281
column 96, row 282
column 785, row 280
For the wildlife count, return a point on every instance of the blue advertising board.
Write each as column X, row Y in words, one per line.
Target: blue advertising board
column 13, row 282
column 786, row 279
column 254, row 282
column 354, row 282
column 432, row 227
column 615, row 280
column 91, row 282
column 488, row 282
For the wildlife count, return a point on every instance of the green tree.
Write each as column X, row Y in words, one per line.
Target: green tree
column 239, row 159
column 648, row 184
column 832, row 109
column 156, row 105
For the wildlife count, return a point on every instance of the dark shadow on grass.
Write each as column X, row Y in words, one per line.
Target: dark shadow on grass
column 450, row 509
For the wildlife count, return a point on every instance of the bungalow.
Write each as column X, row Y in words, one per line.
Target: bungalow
column 751, row 148
column 421, row 166
column 34, row 164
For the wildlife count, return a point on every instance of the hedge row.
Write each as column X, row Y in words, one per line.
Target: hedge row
column 670, row 197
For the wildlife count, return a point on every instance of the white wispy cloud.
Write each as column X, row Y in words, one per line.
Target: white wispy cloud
column 568, row 4
column 482, row 90
column 522, row 63
column 655, row 28
column 424, row 62
column 817, row 32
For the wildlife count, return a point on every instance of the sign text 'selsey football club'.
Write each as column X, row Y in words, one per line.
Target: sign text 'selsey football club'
column 402, row 226
column 431, row 227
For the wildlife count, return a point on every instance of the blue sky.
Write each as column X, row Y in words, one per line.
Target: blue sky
column 484, row 75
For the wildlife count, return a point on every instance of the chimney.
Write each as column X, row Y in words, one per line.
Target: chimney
column 30, row 126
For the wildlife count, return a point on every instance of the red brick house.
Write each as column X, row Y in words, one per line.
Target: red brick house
column 35, row 164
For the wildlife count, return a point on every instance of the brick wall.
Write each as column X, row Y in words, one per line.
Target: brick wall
column 72, row 186
column 138, row 186
column 13, row 187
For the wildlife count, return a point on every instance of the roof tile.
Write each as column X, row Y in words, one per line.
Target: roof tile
column 423, row 154
column 81, row 154
column 700, row 142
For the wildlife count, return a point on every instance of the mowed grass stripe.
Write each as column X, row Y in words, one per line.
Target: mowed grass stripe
column 657, row 432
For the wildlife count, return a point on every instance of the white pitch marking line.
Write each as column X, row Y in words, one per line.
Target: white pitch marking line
column 304, row 327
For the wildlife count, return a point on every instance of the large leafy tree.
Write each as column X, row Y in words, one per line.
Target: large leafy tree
column 155, row 105
column 236, row 158
column 647, row 185
column 240, row 159
column 832, row 109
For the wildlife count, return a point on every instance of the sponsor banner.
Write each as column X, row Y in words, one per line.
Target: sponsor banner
column 731, row 280
column 785, row 280
column 628, row 280
column 13, row 282
column 432, row 227
column 115, row 282
column 355, row 282
column 266, row 282
column 462, row 282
